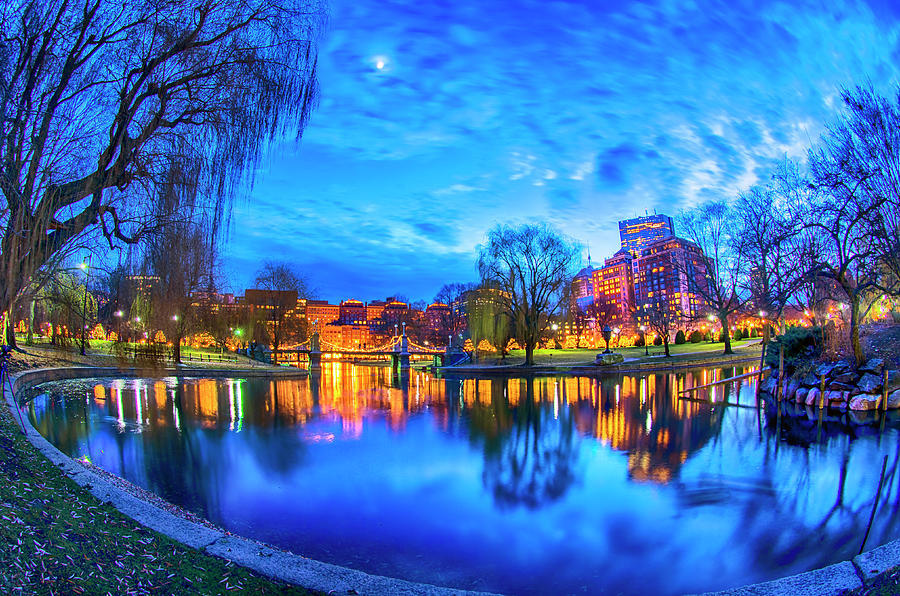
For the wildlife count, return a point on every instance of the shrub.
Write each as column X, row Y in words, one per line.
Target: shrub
column 738, row 336
column 639, row 342
column 657, row 341
column 679, row 338
column 696, row 337
column 707, row 336
column 722, row 336
column 801, row 344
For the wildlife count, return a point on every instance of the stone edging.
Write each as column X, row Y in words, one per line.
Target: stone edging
column 262, row 559
column 592, row 370
column 308, row 573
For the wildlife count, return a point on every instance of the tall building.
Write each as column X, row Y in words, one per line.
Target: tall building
column 583, row 288
column 668, row 273
column 638, row 233
column 614, row 290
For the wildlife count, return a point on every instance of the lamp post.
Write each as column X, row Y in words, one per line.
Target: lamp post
column 118, row 315
column 86, row 266
column 644, row 339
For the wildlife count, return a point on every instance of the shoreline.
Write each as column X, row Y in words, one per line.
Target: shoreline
column 299, row 571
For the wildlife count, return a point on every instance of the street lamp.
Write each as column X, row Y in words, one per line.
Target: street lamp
column 644, row 339
column 86, row 267
column 118, row 315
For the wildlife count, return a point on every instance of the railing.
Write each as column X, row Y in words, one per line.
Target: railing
column 208, row 358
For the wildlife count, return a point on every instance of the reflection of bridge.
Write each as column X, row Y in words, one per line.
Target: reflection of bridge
column 400, row 349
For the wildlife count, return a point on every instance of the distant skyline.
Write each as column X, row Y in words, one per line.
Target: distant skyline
column 439, row 120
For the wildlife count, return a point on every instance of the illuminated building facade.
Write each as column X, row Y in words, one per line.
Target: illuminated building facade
column 614, row 290
column 667, row 274
column 638, row 233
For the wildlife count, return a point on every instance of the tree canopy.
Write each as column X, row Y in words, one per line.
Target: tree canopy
column 104, row 103
column 531, row 269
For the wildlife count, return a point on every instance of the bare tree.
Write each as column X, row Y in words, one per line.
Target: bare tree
column 659, row 318
column 869, row 140
column 711, row 227
column 278, row 288
column 840, row 217
column 98, row 99
column 532, row 267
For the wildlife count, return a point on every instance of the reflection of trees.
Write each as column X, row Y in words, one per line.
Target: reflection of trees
column 802, row 508
column 529, row 454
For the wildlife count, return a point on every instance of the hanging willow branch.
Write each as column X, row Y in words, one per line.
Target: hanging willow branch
column 99, row 99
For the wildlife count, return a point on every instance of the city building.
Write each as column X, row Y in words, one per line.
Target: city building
column 614, row 290
column 638, row 233
column 666, row 276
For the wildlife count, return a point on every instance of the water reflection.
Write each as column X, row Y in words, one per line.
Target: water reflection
column 527, row 485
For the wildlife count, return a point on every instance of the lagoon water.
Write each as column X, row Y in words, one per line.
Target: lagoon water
column 562, row 485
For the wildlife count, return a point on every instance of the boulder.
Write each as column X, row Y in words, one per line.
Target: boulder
column 894, row 400
column 847, row 378
column 838, row 386
column 869, row 383
column 864, row 401
column 608, row 359
column 826, row 368
column 873, row 366
column 836, row 399
column 790, row 388
column 893, row 380
column 812, row 398
column 800, row 396
column 809, row 380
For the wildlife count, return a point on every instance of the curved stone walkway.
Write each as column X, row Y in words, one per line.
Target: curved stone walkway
column 308, row 573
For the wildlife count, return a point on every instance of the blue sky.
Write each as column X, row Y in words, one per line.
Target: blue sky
column 438, row 120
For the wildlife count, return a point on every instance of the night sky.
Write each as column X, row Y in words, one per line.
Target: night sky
column 440, row 119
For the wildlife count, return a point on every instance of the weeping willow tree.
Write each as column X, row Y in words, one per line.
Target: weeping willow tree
column 101, row 101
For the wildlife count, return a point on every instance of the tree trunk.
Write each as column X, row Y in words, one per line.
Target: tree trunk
column 529, row 354
column 724, row 322
column 854, row 332
column 176, row 350
column 11, row 335
column 666, row 344
column 29, row 337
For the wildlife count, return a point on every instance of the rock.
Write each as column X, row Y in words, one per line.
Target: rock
column 836, row 399
column 893, row 380
column 894, row 400
column 874, row 366
column 812, row 398
column 768, row 386
column 800, row 396
column 608, row 359
column 809, row 380
column 838, row 386
column 865, row 401
column 790, row 388
column 825, row 368
column 869, row 383
column 839, row 401
column 847, row 378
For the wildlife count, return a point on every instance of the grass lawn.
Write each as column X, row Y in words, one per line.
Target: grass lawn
column 586, row 356
column 61, row 540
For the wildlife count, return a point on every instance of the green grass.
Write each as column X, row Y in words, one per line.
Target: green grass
column 586, row 356
column 61, row 540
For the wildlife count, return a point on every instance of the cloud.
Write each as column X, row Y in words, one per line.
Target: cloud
column 572, row 112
